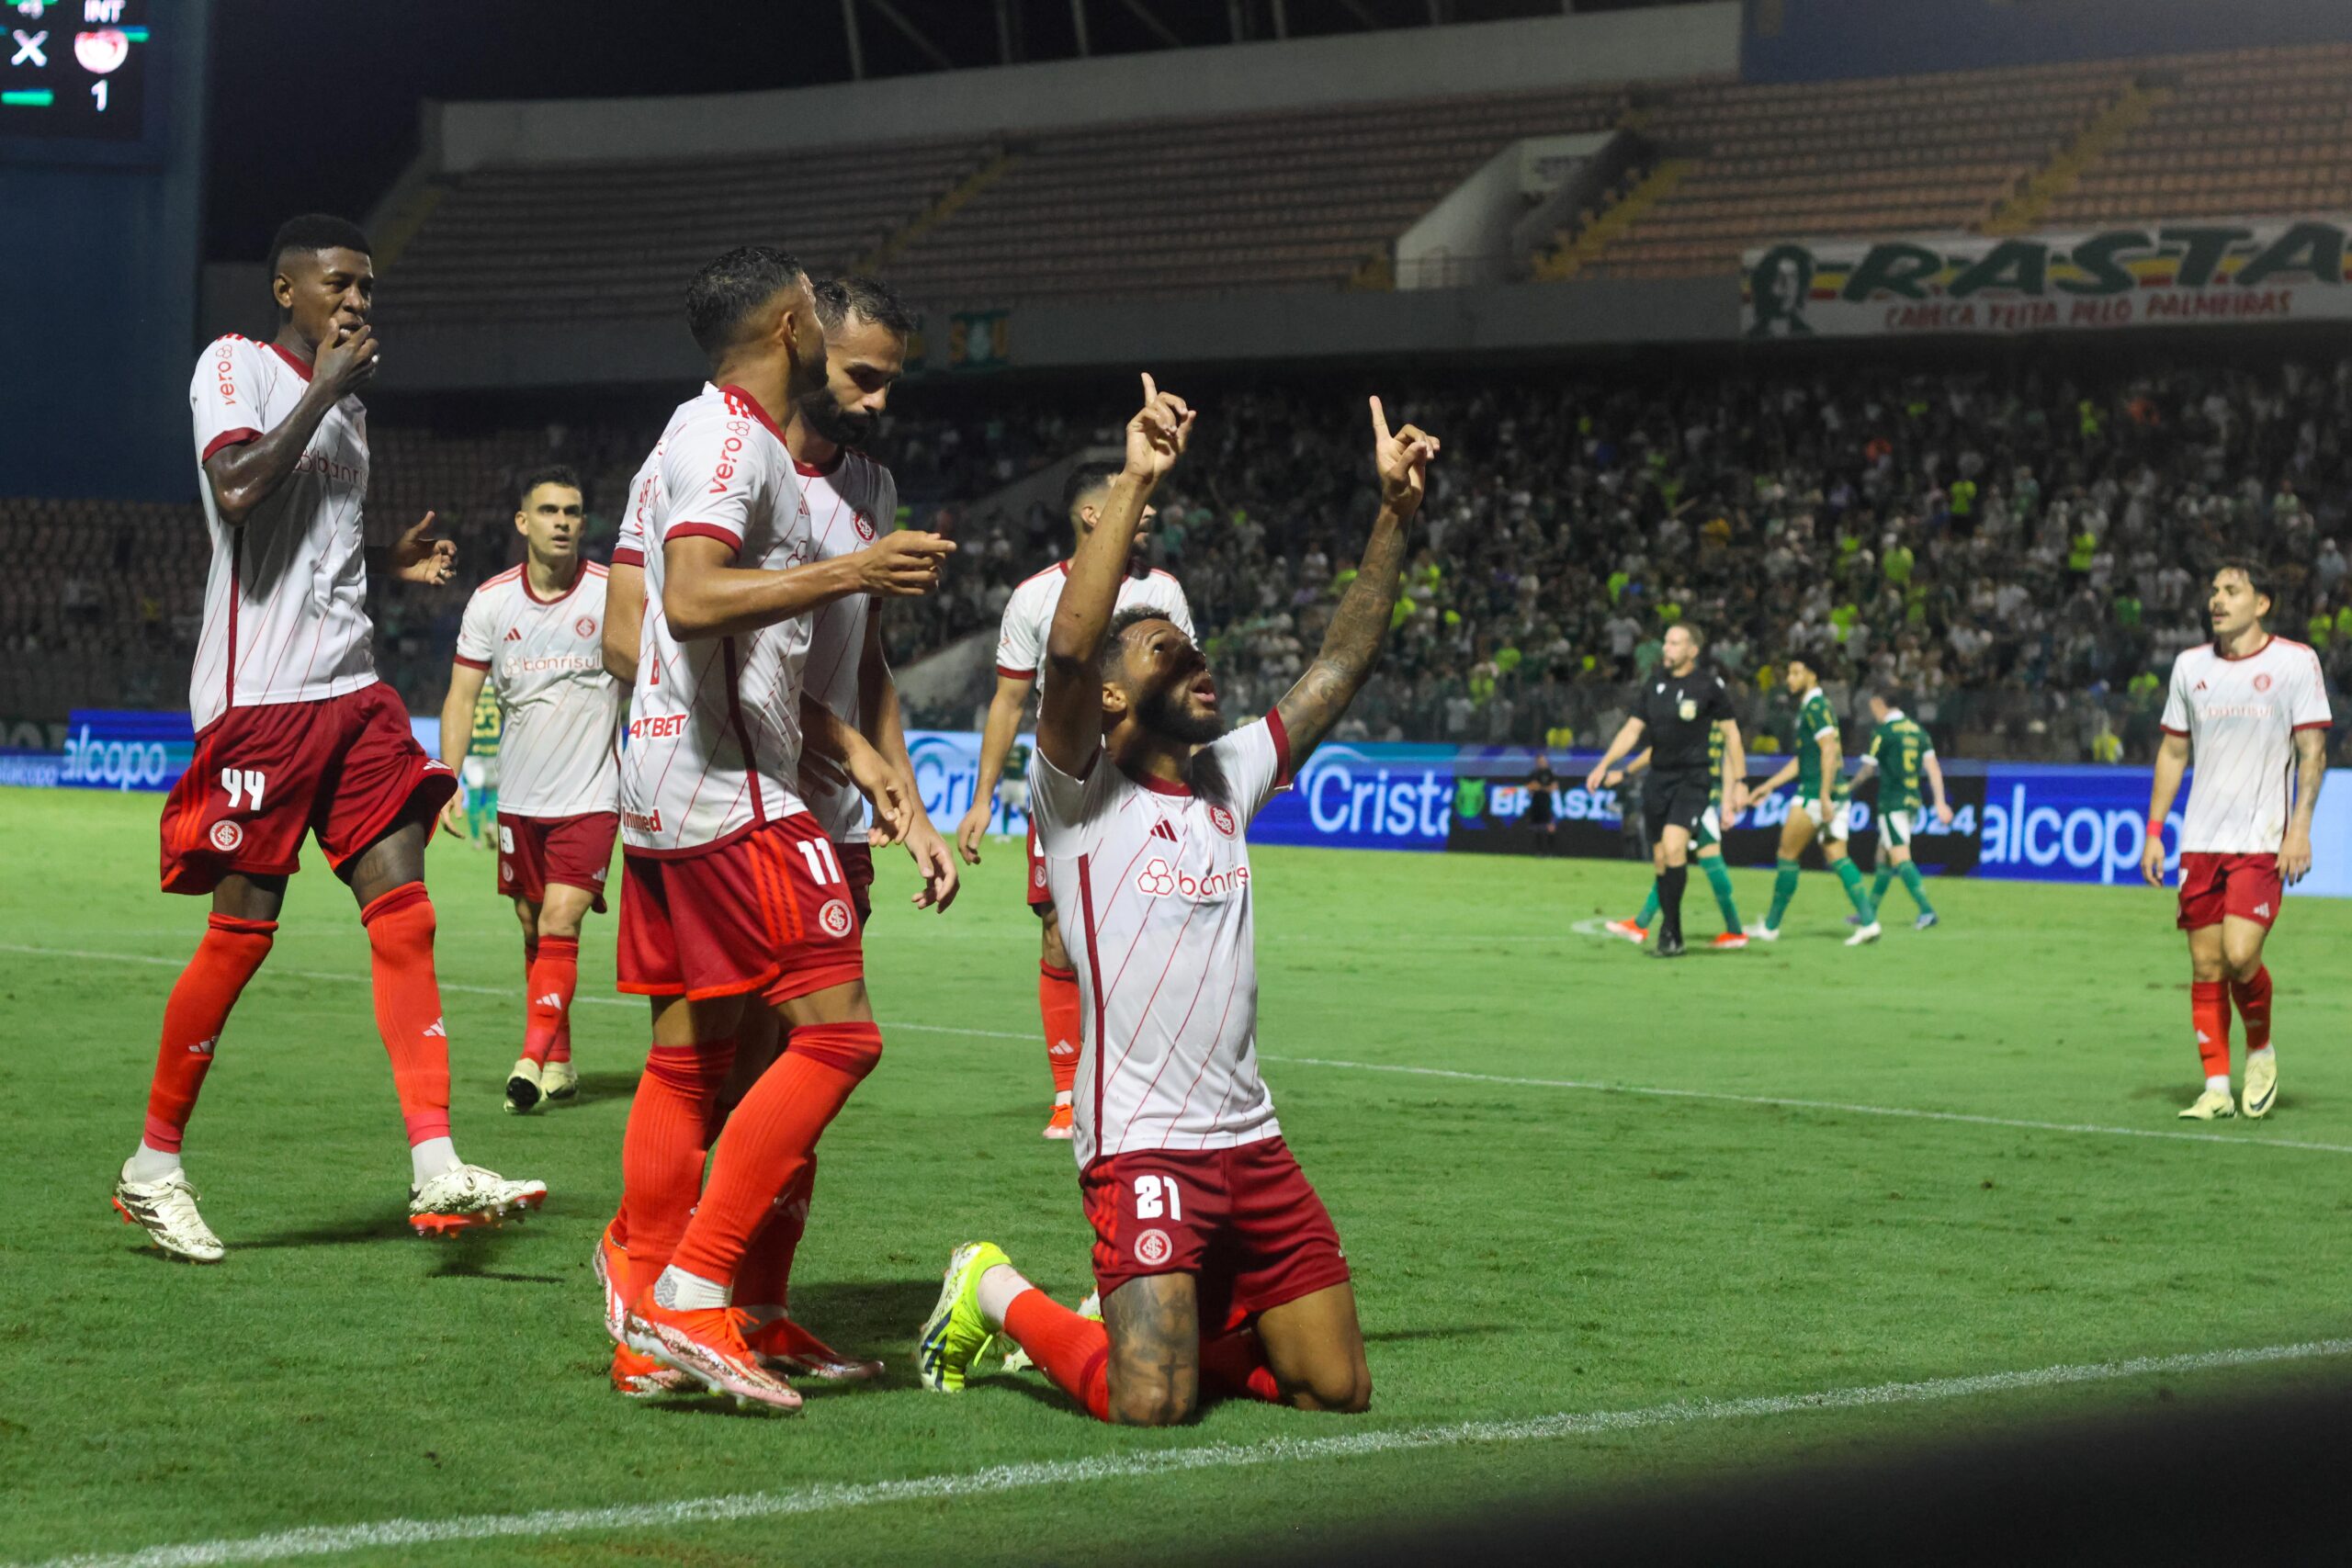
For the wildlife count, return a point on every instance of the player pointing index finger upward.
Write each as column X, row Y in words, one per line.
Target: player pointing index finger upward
column 1215, row 1258
column 2252, row 710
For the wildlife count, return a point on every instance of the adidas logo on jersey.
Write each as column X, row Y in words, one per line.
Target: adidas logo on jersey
column 514, row 634
column 2262, row 912
column 1160, row 829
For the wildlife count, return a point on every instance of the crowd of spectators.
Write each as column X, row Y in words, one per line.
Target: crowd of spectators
column 2021, row 549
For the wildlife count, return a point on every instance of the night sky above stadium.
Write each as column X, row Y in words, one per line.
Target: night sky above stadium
column 315, row 108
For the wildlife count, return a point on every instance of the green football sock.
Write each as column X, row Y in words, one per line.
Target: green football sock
column 1784, row 887
column 1649, row 906
column 1851, row 875
column 1916, row 885
column 1719, row 878
column 1882, row 882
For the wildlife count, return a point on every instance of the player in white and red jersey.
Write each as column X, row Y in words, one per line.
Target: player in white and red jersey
column 295, row 735
column 1021, row 645
column 535, row 634
column 733, row 888
column 851, row 498
column 1215, row 1258
column 2252, row 710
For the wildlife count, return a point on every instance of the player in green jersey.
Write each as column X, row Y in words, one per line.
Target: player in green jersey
column 1706, row 847
column 479, row 772
column 1821, row 807
column 1901, row 753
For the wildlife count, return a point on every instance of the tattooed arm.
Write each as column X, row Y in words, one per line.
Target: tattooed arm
column 1351, row 645
column 1155, row 1328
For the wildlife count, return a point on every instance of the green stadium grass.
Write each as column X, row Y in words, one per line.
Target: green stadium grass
column 1521, row 1249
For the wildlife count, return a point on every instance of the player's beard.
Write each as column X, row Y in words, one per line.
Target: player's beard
column 1163, row 713
column 842, row 427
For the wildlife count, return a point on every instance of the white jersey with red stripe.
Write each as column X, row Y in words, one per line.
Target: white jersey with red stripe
column 2241, row 716
column 714, row 732
column 1153, row 883
column 647, row 500
column 1029, row 614
column 849, row 505
column 286, row 600
column 545, row 661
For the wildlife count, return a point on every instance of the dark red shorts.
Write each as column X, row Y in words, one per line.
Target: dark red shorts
column 341, row 768
column 770, row 912
column 2213, row 886
column 575, row 851
column 858, row 864
column 1244, row 1222
column 1041, row 897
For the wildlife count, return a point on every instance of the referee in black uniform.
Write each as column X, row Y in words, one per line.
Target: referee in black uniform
column 1677, row 705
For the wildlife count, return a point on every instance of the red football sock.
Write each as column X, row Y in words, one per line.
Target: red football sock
column 1058, row 1005
column 231, row 950
column 769, row 1141
column 1072, row 1350
column 407, row 1006
column 1235, row 1364
column 2210, row 1009
column 554, row 975
column 662, row 1150
column 764, row 1276
column 2253, row 997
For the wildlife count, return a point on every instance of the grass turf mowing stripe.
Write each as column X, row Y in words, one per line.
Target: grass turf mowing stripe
column 1722, row 1097
column 327, row 1541
column 1786, row 1103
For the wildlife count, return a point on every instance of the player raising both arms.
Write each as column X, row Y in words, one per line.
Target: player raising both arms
column 733, row 888
column 1021, row 643
column 534, row 635
column 2252, row 710
column 1697, row 759
column 295, row 734
column 1215, row 1258
column 1821, row 805
column 1900, row 754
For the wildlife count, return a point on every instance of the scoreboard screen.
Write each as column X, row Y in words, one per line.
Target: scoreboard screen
column 73, row 72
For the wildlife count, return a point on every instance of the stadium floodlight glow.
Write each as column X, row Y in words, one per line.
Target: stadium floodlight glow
column 29, row 98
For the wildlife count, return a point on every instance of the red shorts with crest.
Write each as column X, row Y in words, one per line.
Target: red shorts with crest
column 1041, row 897
column 341, row 768
column 575, row 851
column 769, row 912
column 1244, row 1222
column 2213, row 886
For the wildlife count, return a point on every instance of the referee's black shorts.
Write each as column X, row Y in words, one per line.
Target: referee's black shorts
column 1676, row 800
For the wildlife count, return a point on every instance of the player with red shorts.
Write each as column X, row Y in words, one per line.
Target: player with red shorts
column 295, row 735
column 1215, row 1258
column 1020, row 648
column 535, row 634
column 733, row 889
column 2252, row 710
column 851, row 498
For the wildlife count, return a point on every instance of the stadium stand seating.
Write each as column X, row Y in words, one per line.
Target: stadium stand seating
column 2260, row 130
column 2019, row 548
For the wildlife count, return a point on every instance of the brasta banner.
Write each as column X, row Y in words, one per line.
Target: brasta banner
column 2150, row 275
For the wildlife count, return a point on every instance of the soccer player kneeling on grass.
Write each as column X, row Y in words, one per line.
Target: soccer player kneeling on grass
column 2252, row 710
column 1216, row 1260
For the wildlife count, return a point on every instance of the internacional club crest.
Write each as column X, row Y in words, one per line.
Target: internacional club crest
column 835, row 918
column 1153, row 1248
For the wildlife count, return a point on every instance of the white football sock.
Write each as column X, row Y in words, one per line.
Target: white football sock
column 150, row 1164
column 2267, row 1053
column 2219, row 1083
column 1062, row 1099
column 430, row 1159
column 998, row 1287
column 681, row 1291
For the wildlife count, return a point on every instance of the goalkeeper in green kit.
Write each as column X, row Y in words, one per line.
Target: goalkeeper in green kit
column 1901, row 753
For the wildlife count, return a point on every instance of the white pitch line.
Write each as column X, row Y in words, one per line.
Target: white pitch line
column 327, row 1541
column 1786, row 1103
column 1590, row 1086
